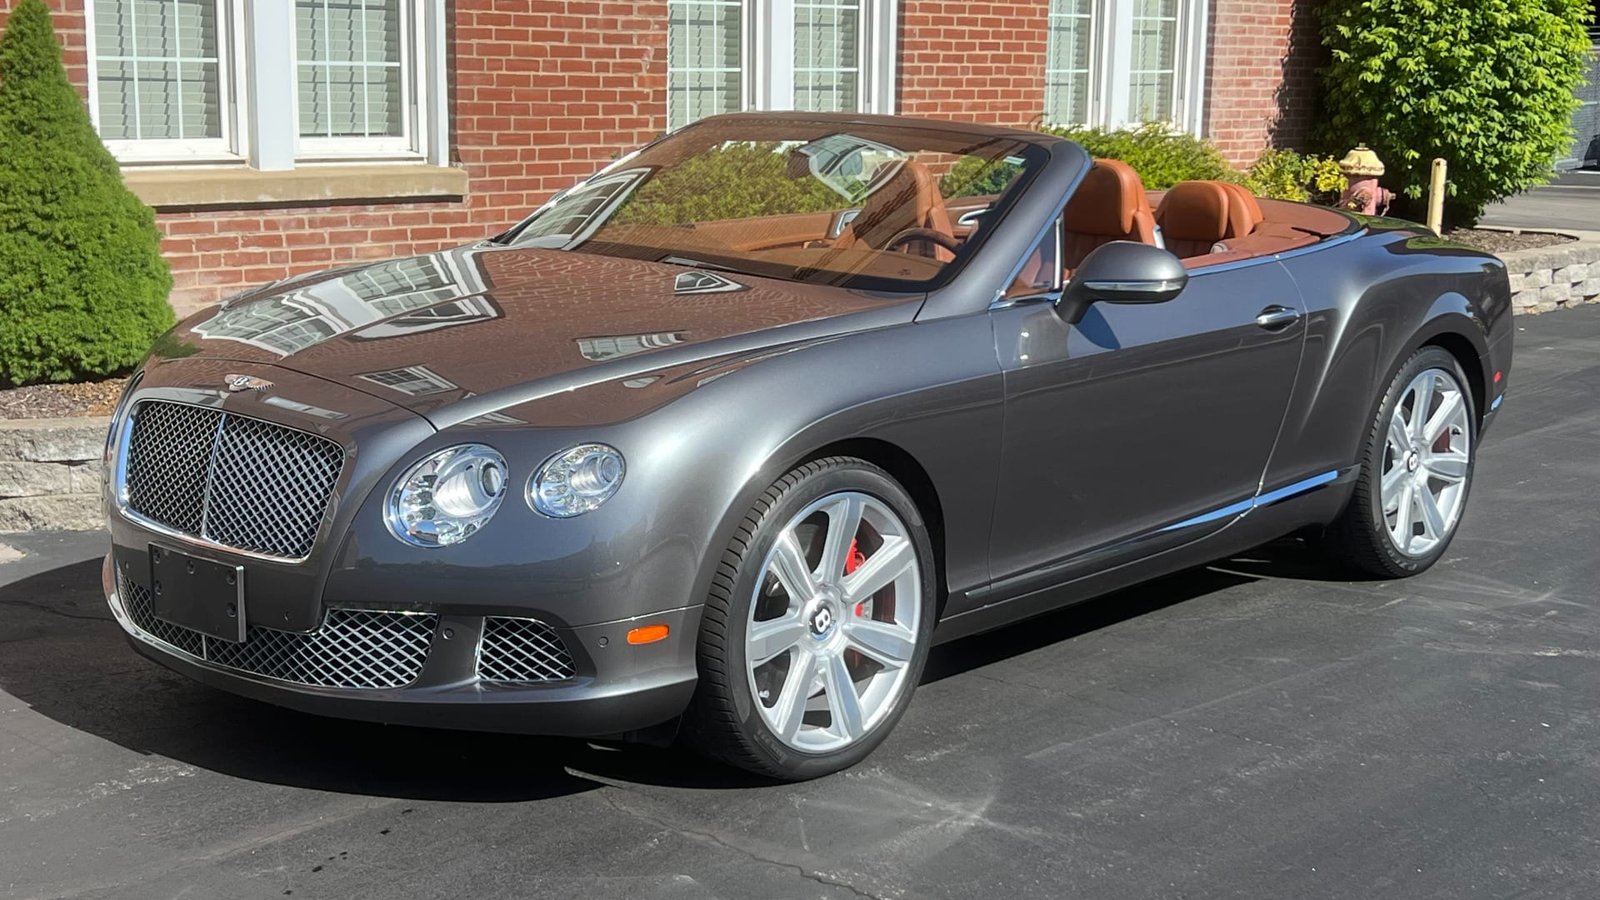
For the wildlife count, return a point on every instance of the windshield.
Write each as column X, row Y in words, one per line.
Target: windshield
column 869, row 206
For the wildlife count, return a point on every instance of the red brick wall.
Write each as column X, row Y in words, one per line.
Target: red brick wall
column 978, row 62
column 1261, row 75
column 544, row 91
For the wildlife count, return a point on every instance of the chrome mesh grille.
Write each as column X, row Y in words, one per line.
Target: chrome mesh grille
column 354, row 648
column 169, row 454
column 518, row 651
column 238, row 481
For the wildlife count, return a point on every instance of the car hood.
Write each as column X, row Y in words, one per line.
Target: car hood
column 460, row 333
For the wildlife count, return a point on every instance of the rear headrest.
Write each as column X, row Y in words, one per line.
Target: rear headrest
column 1194, row 211
column 1244, row 213
column 1107, row 200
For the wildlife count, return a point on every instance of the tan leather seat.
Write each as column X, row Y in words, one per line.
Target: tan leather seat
column 1244, row 213
column 909, row 199
column 1194, row 217
column 1110, row 205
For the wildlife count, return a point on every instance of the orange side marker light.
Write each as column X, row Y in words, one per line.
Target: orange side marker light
column 649, row 634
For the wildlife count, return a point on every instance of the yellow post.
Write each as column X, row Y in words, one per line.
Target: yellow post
column 1436, row 197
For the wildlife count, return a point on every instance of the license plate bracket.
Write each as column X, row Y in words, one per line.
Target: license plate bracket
column 197, row 594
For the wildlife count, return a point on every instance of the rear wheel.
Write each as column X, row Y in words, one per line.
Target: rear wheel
column 818, row 623
column 1416, row 473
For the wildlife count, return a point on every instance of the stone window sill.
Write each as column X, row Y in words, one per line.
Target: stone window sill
column 234, row 187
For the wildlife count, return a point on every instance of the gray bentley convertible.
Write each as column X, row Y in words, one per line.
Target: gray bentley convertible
column 717, row 443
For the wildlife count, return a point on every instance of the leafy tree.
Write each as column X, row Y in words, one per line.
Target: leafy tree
column 1485, row 84
column 83, row 287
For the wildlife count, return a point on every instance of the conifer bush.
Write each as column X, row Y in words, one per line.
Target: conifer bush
column 83, row 287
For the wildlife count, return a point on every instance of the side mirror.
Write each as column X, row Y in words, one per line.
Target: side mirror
column 1122, row 272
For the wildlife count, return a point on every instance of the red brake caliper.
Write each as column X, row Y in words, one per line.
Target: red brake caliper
column 852, row 562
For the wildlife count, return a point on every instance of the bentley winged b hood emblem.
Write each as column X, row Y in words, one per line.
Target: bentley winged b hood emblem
column 237, row 383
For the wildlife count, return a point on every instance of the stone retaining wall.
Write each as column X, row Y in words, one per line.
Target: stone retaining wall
column 1550, row 278
column 50, row 474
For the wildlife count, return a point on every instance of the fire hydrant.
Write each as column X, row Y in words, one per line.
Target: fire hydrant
column 1361, row 167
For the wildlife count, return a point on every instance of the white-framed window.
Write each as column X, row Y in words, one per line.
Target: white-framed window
column 162, row 82
column 1122, row 62
column 814, row 55
column 705, row 59
column 275, row 83
column 354, row 77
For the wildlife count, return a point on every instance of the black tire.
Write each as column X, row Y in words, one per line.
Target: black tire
column 722, row 720
column 1359, row 538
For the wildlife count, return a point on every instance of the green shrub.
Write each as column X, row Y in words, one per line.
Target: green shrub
column 1485, row 84
column 83, row 288
column 1162, row 157
column 977, row 176
column 1287, row 175
column 734, row 182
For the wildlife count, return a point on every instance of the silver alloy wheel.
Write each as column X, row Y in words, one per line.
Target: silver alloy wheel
column 1425, row 463
column 828, row 652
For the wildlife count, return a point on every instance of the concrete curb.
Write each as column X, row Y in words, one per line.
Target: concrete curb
column 1550, row 278
column 50, row 473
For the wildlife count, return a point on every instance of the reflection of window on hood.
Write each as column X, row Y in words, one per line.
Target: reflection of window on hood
column 615, row 345
column 395, row 287
column 413, row 380
column 443, row 315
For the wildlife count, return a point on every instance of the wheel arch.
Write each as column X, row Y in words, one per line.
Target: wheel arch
column 1452, row 327
column 904, row 468
column 1466, row 355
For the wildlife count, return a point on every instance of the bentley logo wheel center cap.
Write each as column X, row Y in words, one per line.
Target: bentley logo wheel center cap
column 822, row 618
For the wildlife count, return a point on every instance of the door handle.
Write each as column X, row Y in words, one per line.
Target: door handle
column 1276, row 318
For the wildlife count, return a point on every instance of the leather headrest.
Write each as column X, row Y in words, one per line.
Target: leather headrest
column 1105, row 202
column 1244, row 213
column 1194, row 211
column 908, row 194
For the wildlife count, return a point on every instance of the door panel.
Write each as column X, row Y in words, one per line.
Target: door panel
column 1137, row 418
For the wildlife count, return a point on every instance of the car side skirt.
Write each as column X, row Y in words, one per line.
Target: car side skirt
column 1307, row 502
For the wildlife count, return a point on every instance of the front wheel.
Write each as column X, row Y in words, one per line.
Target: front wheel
column 1414, row 478
column 818, row 623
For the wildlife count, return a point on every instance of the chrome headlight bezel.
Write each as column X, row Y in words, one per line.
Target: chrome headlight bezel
column 577, row 480
column 462, row 469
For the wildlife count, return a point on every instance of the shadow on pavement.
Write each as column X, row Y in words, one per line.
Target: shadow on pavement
column 62, row 655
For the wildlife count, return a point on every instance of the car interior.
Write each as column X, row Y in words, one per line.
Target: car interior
column 1204, row 223
column 844, row 204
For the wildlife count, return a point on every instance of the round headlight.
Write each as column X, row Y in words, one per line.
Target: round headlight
column 447, row 497
column 576, row 480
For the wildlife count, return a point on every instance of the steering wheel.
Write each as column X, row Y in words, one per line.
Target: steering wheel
column 946, row 241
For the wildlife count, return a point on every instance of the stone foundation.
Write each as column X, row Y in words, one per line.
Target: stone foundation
column 50, row 474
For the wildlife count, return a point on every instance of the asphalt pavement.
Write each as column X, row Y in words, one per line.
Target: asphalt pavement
column 1572, row 201
column 1260, row 728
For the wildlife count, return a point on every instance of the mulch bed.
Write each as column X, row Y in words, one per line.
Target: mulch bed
column 1501, row 241
column 51, row 401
